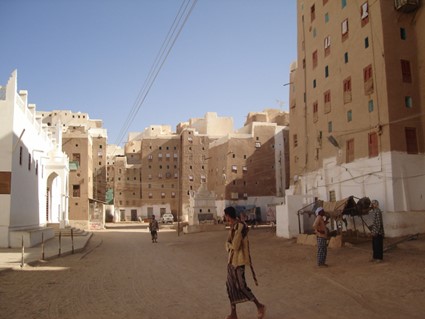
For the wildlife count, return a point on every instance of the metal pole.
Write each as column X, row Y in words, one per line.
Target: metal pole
column 23, row 252
column 42, row 246
column 60, row 242
column 178, row 225
column 72, row 239
column 180, row 201
column 299, row 222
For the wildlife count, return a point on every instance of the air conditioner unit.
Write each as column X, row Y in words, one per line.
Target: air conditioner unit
column 406, row 6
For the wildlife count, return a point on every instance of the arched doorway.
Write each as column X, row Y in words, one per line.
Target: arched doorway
column 53, row 198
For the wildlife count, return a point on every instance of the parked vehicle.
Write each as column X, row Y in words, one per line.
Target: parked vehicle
column 167, row 218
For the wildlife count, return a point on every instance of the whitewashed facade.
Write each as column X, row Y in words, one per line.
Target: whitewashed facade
column 34, row 171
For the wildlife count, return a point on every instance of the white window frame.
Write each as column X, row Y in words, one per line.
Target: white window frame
column 364, row 11
column 327, row 41
column 344, row 27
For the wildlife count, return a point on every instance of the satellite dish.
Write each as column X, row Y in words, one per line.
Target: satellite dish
column 333, row 141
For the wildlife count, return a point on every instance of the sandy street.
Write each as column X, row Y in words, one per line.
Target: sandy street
column 122, row 274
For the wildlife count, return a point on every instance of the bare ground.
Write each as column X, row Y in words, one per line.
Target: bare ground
column 122, row 274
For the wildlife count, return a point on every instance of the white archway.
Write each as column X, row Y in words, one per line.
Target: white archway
column 53, row 196
column 56, row 205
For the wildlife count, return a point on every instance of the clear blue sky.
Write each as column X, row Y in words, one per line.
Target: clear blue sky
column 231, row 57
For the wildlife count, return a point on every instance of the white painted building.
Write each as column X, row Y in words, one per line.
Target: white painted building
column 33, row 171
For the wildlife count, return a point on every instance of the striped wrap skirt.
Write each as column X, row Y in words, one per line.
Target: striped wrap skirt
column 237, row 288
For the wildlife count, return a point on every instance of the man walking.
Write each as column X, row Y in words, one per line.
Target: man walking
column 377, row 230
column 237, row 246
column 153, row 228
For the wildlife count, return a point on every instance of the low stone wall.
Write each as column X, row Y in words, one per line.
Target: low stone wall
column 30, row 237
column 203, row 228
column 397, row 224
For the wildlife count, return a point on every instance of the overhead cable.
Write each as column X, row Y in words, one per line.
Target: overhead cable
column 180, row 20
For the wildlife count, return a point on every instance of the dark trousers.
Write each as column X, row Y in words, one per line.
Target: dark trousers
column 154, row 234
column 378, row 247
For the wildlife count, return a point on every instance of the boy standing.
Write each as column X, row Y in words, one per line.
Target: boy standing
column 322, row 237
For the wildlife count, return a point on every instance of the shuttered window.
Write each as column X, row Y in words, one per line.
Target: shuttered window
column 368, row 79
column 327, row 45
column 313, row 12
column 327, row 101
column 405, row 71
column 411, row 140
column 350, row 151
column 364, row 13
column 314, row 59
column 315, row 111
column 5, row 182
column 373, row 144
column 344, row 29
column 347, row 90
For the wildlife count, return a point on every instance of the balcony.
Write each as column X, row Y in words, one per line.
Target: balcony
column 406, row 6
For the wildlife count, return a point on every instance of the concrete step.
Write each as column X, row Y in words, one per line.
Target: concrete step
column 72, row 230
column 67, row 231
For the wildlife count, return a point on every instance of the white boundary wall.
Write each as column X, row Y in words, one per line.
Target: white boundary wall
column 395, row 179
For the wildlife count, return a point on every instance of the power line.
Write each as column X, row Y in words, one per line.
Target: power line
column 180, row 20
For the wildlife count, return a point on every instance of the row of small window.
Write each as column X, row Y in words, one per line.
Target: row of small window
column 149, row 186
column 66, row 114
column 30, row 160
column 235, row 169
column 119, row 179
column 168, row 175
column 405, row 68
column 150, row 176
column 368, row 87
column 203, row 178
column 173, row 195
column 160, row 148
column 364, row 17
column 160, row 156
column 176, row 175
column 324, row 2
column 150, row 196
column 236, row 195
column 408, row 103
column 150, row 167
column 135, row 171
column 315, row 54
column 133, row 202
column 410, row 140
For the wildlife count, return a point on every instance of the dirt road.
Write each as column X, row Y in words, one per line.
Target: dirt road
column 122, row 274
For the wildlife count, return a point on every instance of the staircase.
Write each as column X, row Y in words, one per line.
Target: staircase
column 67, row 230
